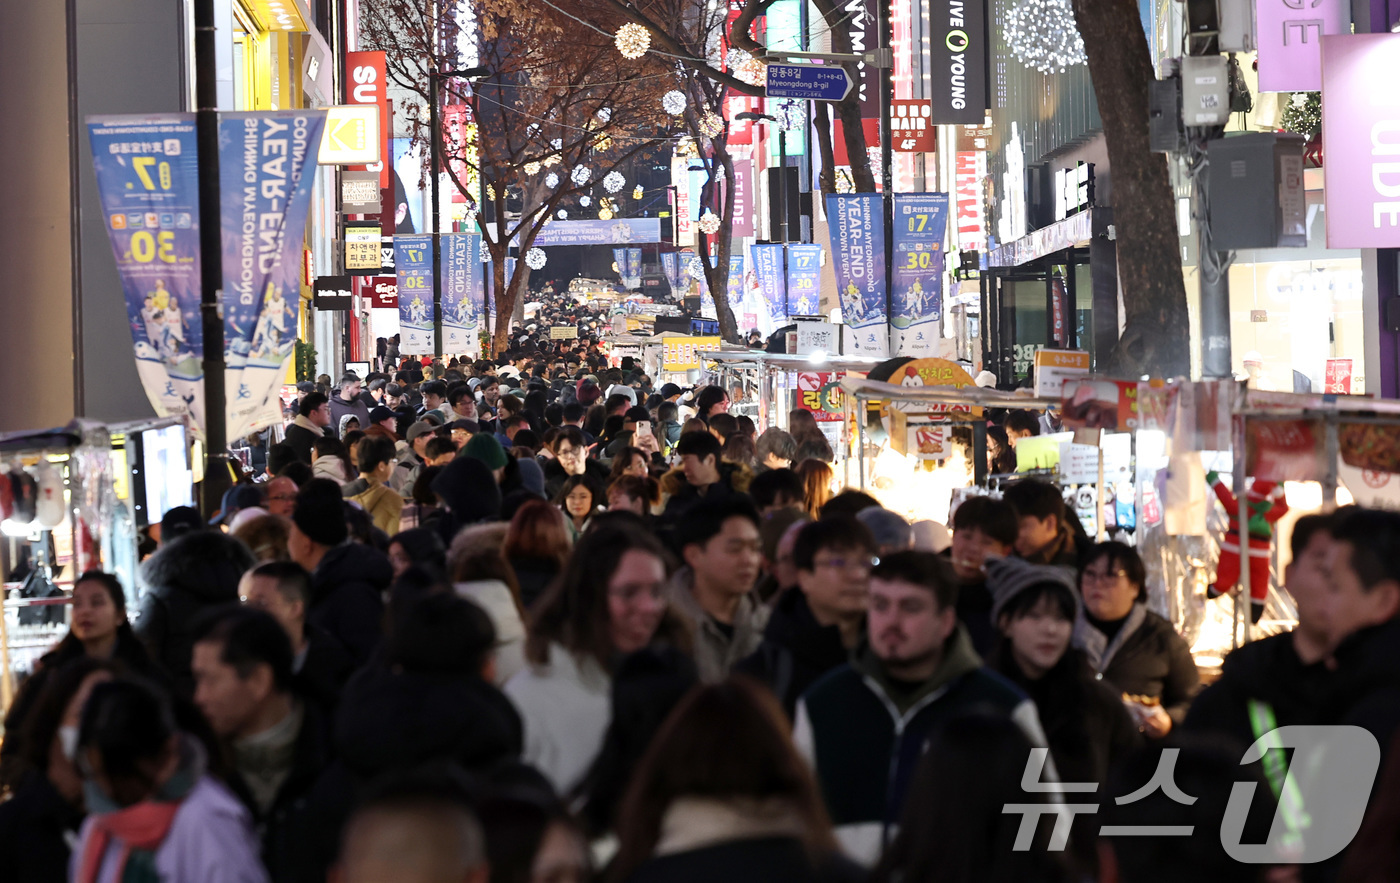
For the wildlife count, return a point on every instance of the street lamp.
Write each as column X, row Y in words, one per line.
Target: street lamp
column 435, row 152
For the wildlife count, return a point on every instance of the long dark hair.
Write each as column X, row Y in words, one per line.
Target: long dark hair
column 723, row 741
column 71, row 648
column 36, row 733
column 623, row 459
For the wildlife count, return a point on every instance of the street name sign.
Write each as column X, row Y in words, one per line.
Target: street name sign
column 808, row 82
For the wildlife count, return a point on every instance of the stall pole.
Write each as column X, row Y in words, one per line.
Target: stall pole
column 1329, row 480
column 217, row 477
column 7, row 685
column 979, row 452
column 860, row 435
column 1099, row 519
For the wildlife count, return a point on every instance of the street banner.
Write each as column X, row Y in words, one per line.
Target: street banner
column 858, row 258
column 734, row 289
column 148, row 182
column 920, row 220
column 462, row 274
column 743, row 196
column 267, row 164
column 413, row 265
column 675, row 264
column 634, row 268
column 620, row 263
column 804, row 279
column 768, row 268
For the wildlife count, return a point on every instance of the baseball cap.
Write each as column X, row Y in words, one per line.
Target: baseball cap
column 306, row 386
column 669, row 389
column 380, row 414
column 418, row 428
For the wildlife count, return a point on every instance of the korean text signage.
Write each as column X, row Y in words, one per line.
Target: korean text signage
column 681, row 353
column 366, row 74
column 413, row 265
column 804, row 278
column 920, row 220
column 820, row 393
column 463, row 290
column 768, row 269
column 147, row 178
column 858, row 257
column 1290, row 41
column 363, row 243
column 957, row 61
column 1054, row 367
column 911, row 122
column 933, row 372
column 267, row 163
column 563, row 332
column 1361, row 128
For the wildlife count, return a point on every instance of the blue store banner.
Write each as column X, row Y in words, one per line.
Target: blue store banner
column 858, row 257
column 413, row 264
column 462, row 274
column 267, row 164
column 634, row 268
column 768, row 269
column 734, row 290
column 620, row 261
column 920, row 220
column 804, row 280
column 147, row 179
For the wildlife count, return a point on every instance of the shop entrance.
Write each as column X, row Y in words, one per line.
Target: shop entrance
column 1044, row 304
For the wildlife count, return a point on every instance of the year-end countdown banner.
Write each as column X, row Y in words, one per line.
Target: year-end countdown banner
column 916, row 314
column 804, row 279
column 413, row 264
column 858, row 257
column 463, row 294
column 768, row 270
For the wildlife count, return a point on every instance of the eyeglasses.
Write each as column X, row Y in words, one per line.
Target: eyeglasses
column 854, row 563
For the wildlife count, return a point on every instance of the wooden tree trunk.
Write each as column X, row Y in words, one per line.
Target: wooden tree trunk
column 1156, row 337
column 821, row 121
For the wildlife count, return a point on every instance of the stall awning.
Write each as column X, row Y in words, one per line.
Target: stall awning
column 860, row 388
column 790, row 362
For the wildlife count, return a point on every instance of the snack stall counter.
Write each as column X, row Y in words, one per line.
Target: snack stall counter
column 776, row 383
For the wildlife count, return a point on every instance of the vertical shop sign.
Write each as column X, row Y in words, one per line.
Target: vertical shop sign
column 1059, row 327
column 413, row 266
column 267, row 164
column 804, row 277
column 970, row 169
column 461, row 272
column 768, row 268
column 858, row 257
column 743, row 198
column 366, row 73
column 920, row 220
column 1361, row 128
column 634, row 268
column 859, row 22
column 148, row 182
column 912, row 126
column 958, row 61
column 735, row 285
column 1290, row 41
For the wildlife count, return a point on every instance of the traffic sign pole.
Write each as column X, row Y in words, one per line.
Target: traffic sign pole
column 887, row 163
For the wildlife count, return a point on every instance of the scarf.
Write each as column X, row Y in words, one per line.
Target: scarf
column 1095, row 644
column 696, row 822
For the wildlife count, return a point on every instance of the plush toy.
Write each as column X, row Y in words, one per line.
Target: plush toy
column 1264, row 500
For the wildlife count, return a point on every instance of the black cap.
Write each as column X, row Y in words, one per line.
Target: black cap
column 380, row 413
column 306, row 386
column 179, row 521
column 669, row 389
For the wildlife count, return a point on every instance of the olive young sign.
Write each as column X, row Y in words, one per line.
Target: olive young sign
column 958, row 61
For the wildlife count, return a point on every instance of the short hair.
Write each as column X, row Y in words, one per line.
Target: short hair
column 1022, row 421
column 434, row 388
column 442, row 634
column 487, row 382
column 848, row 502
column 292, row 580
column 705, row 520
column 554, row 414
column 437, row 790
column 458, row 392
column 573, row 412
column 515, row 419
column 311, row 402
column 701, row 444
column 1037, row 499
column 298, row 471
column 708, row 397
column 278, row 456
column 767, row 487
column 924, row 569
column 995, row 518
column 666, row 411
column 1374, row 536
column 1121, row 556
column 725, row 424
column 126, row 721
column 638, row 487
column 777, row 442
column 372, row 451
column 571, row 434
column 616, row 399
column 1305, row 528
column 250, row 638
column 437, row 446
column 842, row 533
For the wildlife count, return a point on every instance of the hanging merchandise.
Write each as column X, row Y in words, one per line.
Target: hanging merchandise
column 49, row 506
column 1265, row 505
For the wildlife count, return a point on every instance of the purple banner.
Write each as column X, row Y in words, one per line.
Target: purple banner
column 743, row 198
column 1290, row 42
column 858, row 258
column 768, row 270
column 1362, row 134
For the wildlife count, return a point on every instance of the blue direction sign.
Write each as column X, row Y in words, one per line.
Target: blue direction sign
column 808, row 82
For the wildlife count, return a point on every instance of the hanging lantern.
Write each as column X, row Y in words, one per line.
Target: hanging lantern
column 709, row 223
column 580, row 175
column 614, row 182
column 673, row 102
column 535, row 259
column 637, row 192
column 551, row 180
column 711, row 125
column 532, row 168
column 632, row 40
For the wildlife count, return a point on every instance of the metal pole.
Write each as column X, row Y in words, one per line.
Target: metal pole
column 887, row 159
column 217, row 477
column 433, row 149
column 1215, row 299
column 783, row 195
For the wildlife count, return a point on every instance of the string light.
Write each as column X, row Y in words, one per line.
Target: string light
column 532, row 168
column 585, row 201
column 673, row 102
column 711, row 125
column 580, row 175
column 605, row 214
column 535, row 259
column 614, row 182
column 551, row 180
column 1043, row 36
column 632, row 40
column 709, row 223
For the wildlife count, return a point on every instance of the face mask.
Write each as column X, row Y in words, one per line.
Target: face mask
column 68, row 738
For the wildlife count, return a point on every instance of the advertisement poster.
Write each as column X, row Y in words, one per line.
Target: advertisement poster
column 1338, row 377
column 681, row 353
column 768, row 269
column 957, row 60
column 413, row 264
column 858, row 256
column 267, row 164
column 147, row 179
column 804, row 279
column 633, row 276
column 462, row 274
column 1286, row 450
column 1359, row 127
column 1290, row 41
column 734, row 290
column 820, row 393
column 920, row 220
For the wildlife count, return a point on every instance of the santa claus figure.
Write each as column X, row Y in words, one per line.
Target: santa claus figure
column 1264, row 505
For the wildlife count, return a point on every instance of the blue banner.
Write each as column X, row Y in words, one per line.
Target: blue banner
column 858, row 257
column 462, row 275
column 620, row 261
column 804, row 280
column 267, row 163
column 734, row 290
column 768, row 270
column 634, row 268
column 614, row 232
column 920, row 220
column 413, row 264
column 148, row 182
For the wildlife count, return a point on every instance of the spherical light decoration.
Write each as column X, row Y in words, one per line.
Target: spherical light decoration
column 637, row 192
column 563, row 215
column 673, row 102
column 491, row 192
column 580, row 175
column 696, row 268
column 605, row 214
column 532, row 168
column 551, row 161
column 603, row 114
column 709, row 223
column 535, row 259
column 602, row 143
column 1043, row 36
column 754, row 72
column 585, row 201
column 686, row 147
column 551, row 180
column 614, row 182
column 711, row 125
column 632, row 40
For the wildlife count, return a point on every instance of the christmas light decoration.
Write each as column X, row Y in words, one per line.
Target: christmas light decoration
column 585, row 201
column 614, row 182
column 580, row 175
column 711, row 125
column 754, row 72
column 709, row 223
column 604, row 114
column 605, row 214
column 632, row 40
column 673, row 102
column 491, row 192
column 563, row 215
column 696, row 269
column 551, row 180
column 1042, row 35
column 535, row 259
column 686, row 147
column 637, row 192
column 532, row 168
column 1303, row 113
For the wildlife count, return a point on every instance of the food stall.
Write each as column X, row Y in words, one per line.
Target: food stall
column 775, row 383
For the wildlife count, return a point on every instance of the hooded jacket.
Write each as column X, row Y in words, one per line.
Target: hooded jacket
column 716, row 651
column 345, row 596
column 302, row 436
column 734, row 479
column 471, row 495
column 1146, row 658
column 340, row 409
column 185, row 579
column 864, row 737
column 796, row 650
column 1266, row 671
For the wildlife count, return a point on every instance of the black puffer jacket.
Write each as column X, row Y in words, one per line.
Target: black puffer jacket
column 796, row 650
column 345, row 597
column 194, row 574
column 1267, row 670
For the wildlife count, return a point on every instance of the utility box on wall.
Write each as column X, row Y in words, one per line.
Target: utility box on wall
column 1256, row 191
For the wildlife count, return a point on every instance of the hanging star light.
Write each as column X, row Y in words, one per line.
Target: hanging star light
column 673, row 102
column 686, row 147
column 696, row 269
column 632, row 40
column 535, row 259
column 551, row 180
column 563, row 215
column 711, row 125
column 585, row 201
column 614, row 182
column 1043, row 36
column 637, row 192
column 580, row 175
column 532, row 168
column 709, row 223
column 605, row 214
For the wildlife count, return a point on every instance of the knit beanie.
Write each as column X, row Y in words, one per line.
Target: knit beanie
column 320, row 512
column 1008, row 577
column 484, row 447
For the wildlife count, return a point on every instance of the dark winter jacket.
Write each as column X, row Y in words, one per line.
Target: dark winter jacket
column 1146, row 658
column 796, row 650
column 748, row 860
column 184, row 580
column 341, row 408
column 864, row 736
column 302, row 440
column 733, row 481
column 35, row 824
column 975, row 613
column 345, row 597
column 1067, row 550
column 1365, row 691
column 470, row 493
column 534, row 576
column 555, row 476
column 322, row 671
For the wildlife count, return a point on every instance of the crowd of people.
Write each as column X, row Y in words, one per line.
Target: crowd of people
column 534, row 620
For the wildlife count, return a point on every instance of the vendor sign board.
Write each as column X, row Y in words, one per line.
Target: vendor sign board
column 1054, row 367
column 563, row 332
column 933, row 372
column 681, row 353
column 820, row 393
column 1113, row 404
column 1285, row 450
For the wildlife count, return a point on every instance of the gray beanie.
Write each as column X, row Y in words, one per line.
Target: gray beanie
column 1008, row 577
